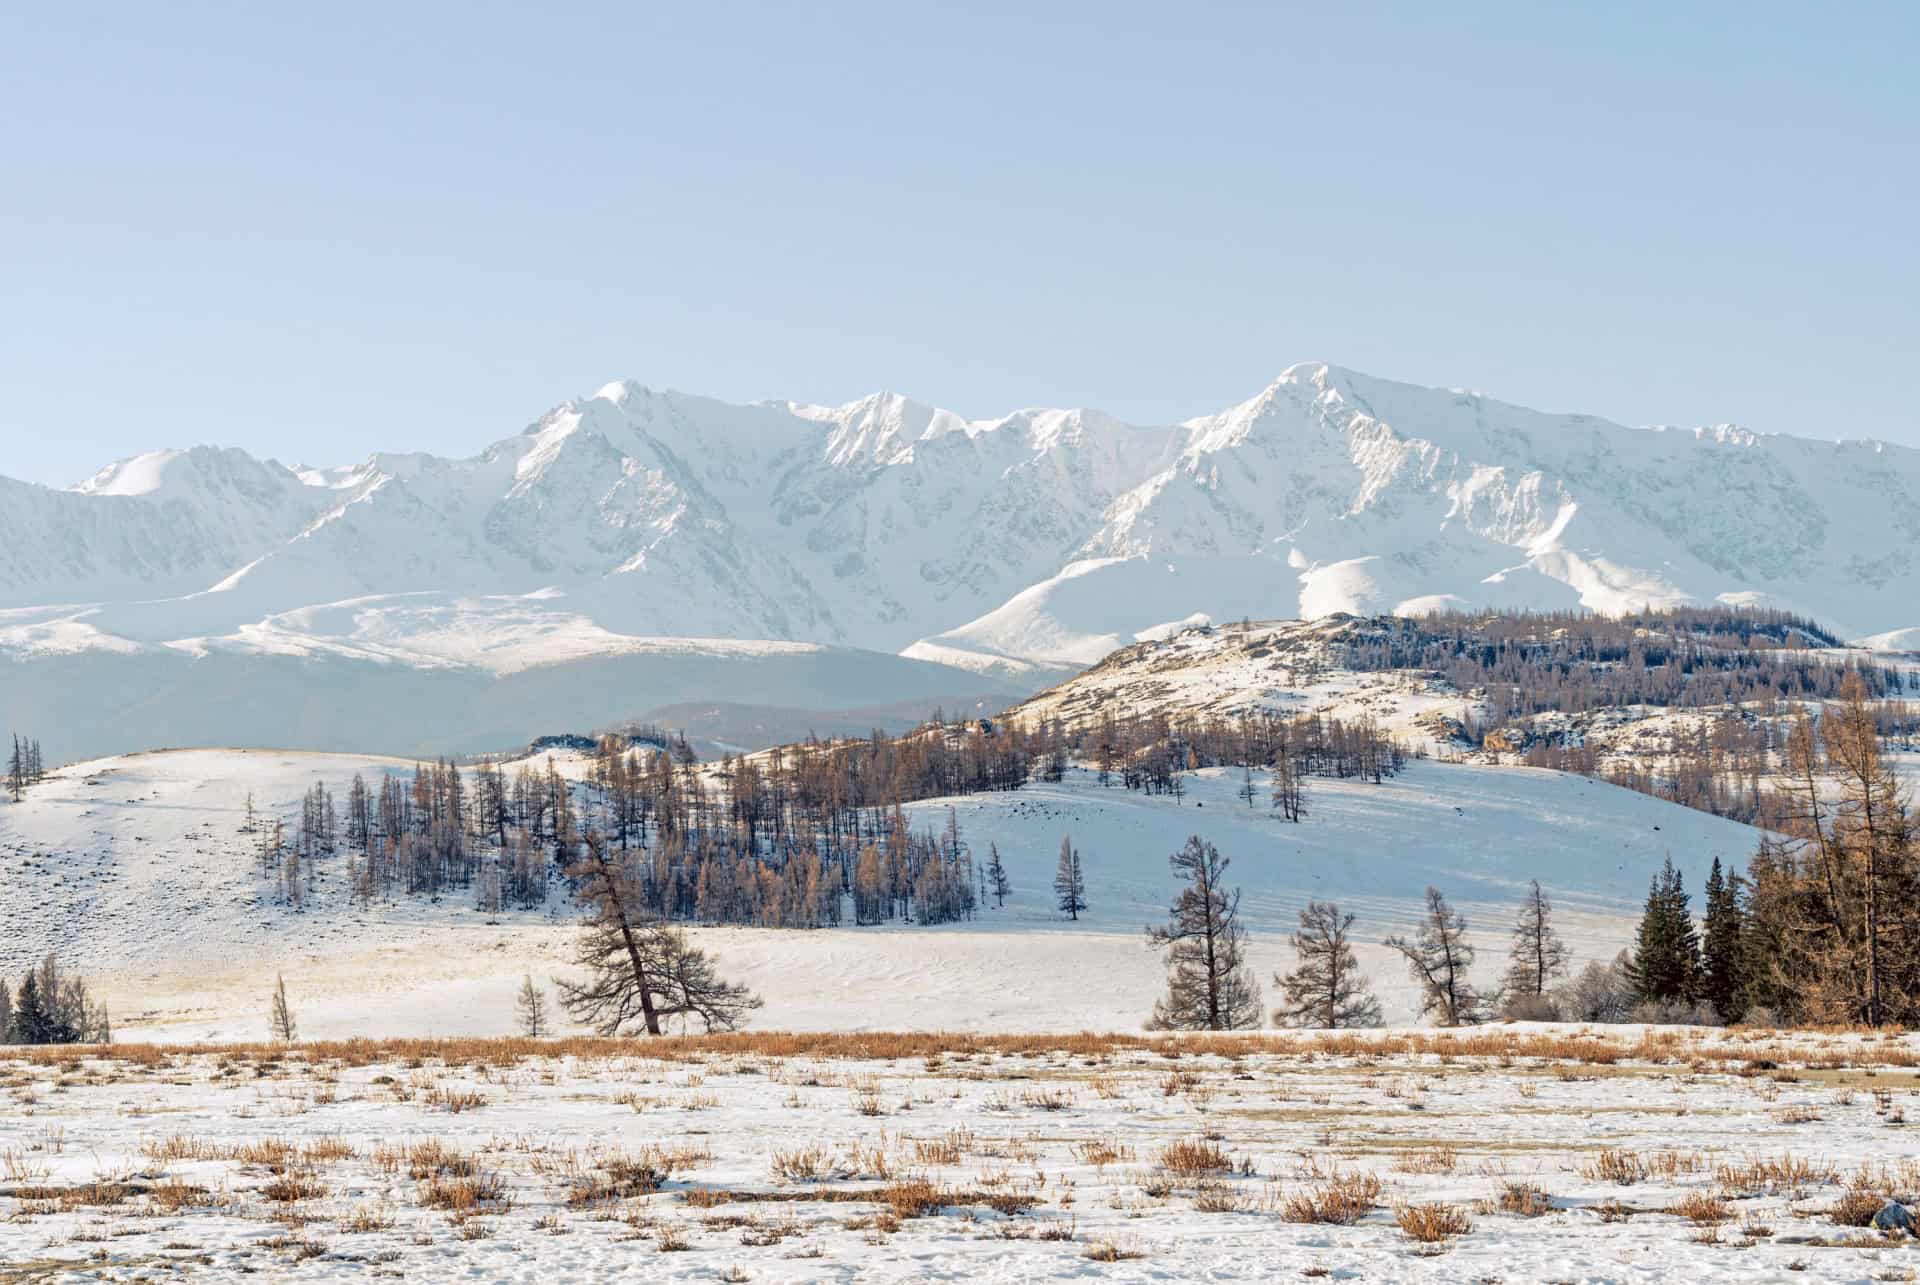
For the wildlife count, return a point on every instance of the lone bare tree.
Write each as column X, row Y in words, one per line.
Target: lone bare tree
column 1438, row 959
column 280, row 1013
column 1289, row 788
column 1069, row 880
column 1539, row 956
column 1327, row 989
column 531, row 1007
column 997, row 882
column 639, row 967
column 1209, row 986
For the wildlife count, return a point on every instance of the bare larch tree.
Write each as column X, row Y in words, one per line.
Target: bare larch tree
column 1539, row 956
column 1327, row 989
column 1209, row 986
column 1438, row 959
column 639, row 967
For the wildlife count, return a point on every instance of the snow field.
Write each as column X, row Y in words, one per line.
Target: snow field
column 1556, row 1154
column 135, row 870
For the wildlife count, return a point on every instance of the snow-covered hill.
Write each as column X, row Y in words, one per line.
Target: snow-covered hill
column 136, row 870
column 1015, row 548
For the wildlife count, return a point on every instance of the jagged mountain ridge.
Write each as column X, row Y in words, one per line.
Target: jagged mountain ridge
column 1043, row 537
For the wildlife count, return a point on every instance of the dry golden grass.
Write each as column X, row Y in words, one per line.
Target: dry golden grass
column 292, row 1185
column 948, row 1150
column 454, row 1101
column 1213, row 1197
column 273, row 1154
column 1701, row 1209
column 1192, row 1157
column 1785, row 1173
column 1343, row 1199
column 1100, row 1154
column 463, row 1197
column 1438, row 1159
column 179, row 1146
column 1612, row 1165
column 1855, row 1208
column 172, row 1195
column 1111, row 1251
column 912, row 1197
column 1430, row 1224
column 1661, row 1047
column 809, row 1163
column 432, row 1158
column 618, row 1176
column 1524, row 1199
column 367, row 1219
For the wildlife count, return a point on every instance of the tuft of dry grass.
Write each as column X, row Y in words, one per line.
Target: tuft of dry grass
column 1432, row 1223
column 1111, row 1251
column 1437, row 1159
column 1524, row 1199
column 293, row 1185
column 618, row 1176
column 1192, row 1157
column 173, row 1195
column 1611, row 1165
column 1341, row 1200
column 1701, row 1209
column 1782, row 1174
column 810, row 1163
column 464, row 1197
column 368, row 1219
column 948, row 1150
column 912, row 1197
column 1855, row 1208
column 1212, row 1197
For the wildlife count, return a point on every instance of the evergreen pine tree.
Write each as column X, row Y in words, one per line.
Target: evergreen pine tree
column 1723, row 952
column 1666, row 954
column 32, row 1024
column 6, row 1013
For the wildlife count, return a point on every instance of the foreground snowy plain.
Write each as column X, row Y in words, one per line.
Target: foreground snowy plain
column 1550, row 1155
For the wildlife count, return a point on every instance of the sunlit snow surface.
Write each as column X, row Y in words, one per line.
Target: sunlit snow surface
column 135, row 868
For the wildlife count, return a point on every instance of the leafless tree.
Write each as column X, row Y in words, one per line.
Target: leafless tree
column 1438, row 959
column 280, row 1015
column 1209, row 986
column 640, row 968
column 531, row 1007
column 1327, row 989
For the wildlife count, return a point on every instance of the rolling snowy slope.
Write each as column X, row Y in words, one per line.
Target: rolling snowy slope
column 136, row 870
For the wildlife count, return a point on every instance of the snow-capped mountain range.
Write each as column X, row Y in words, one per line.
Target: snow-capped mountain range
column 1013, row 548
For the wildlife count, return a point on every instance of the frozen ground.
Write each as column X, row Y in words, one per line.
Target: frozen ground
column 1655, row 1156
column 136, row 871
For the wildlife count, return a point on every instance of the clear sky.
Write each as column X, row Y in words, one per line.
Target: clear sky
column 321, row 230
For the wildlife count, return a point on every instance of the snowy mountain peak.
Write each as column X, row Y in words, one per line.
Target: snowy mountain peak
column 1033, row 540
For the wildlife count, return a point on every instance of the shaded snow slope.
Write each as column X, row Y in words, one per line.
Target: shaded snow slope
column 83, row 704
column 135, row 869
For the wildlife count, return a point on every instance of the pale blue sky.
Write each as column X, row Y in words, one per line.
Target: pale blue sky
column 317, row 232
